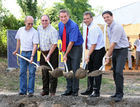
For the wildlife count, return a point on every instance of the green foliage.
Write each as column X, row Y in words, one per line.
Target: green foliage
column 10, row 22
column 3, row 42
column 53, row 13
column 29, row 7
column 77, row 8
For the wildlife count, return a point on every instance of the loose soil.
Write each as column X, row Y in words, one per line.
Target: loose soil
column 9, row 93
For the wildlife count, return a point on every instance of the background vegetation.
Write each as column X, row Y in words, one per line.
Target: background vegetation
column 31, row 7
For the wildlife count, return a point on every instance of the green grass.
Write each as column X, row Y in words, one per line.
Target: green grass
column 3, row 59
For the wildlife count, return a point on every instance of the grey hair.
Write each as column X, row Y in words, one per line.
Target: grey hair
column 28, row 17
column 47, row 16
column 88, row 13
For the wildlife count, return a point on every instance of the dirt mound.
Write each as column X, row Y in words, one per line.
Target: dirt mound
column 69, row 101
column 80, row 73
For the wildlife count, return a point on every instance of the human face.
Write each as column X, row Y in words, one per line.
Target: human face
column 29, row 23
column 87, row 19
column 107, row 18
column 45, row 21
column 64, row 17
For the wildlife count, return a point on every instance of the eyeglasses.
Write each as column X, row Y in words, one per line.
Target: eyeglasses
column 44, row 20
column 30, row 24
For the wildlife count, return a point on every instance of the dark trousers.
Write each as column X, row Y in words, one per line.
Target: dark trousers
column 46, row 77
column 95, row 62
column 73, row 62
column 118, row 59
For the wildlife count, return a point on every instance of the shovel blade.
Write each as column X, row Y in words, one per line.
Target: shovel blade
column 95, row 73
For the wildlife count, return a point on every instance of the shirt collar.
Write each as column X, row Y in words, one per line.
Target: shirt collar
column 46, row 27
column 68, row 22
column 112, row 24
column 90, row 24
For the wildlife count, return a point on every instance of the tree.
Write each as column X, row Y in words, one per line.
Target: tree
column 29, row 7
column 77, row 8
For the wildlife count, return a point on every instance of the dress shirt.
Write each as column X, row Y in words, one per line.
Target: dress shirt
column 47, row 37
column 73, row 33
column 95, row 36
column 117, row 34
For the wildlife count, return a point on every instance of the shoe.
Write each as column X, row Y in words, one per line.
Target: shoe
column 67, row 93
column 86, row 93
column 52, row 94
column 22, row 94
column 117, row 99
column 130, row 69
column 44, row 93
column 113, row 96
column 95, row 95
column 30, row 95
column 75, row 94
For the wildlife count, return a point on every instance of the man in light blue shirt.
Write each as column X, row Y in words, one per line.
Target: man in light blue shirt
column 118, row 50
column 27, row 38
column 95, row 45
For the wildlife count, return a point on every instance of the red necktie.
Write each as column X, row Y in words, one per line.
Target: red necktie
column 87, row 38
column 64, row 40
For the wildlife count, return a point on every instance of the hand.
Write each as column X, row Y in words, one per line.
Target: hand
column 87, row 59
column 47, row 58
column 106, row 61
column 39, row 49
column 65, row 58
column 31, row 59
column 14, row 53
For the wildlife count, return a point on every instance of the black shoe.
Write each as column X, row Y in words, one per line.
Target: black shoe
column 67, row 93
column 22, row 94
column 30, row 95
column 95, row 95
column 113, row 96
column 44, row 93
column 75, row 94
column 130, row 69
column 86, row 93
column 117, row 99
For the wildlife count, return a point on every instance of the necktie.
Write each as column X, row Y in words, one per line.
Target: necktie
column 64, row 39
column 86, row 38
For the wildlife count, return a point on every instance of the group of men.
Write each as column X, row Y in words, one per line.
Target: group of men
column 46, row 36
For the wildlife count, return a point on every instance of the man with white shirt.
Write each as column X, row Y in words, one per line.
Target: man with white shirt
column 137, row 47
column 48, row 37
column 27, row 38
column 95, row 45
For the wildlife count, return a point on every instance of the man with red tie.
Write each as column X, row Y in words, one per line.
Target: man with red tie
column 96, row 51
column 72, row 48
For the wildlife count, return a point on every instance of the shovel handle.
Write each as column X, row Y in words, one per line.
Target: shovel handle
column 84, row 65
column 50, row 65
column 26, row 59
column 66, row 66
column 48, row 61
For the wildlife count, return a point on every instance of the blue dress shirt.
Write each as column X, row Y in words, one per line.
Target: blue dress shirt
column 73, row 33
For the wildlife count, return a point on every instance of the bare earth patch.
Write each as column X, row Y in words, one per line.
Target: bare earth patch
column 9, row 86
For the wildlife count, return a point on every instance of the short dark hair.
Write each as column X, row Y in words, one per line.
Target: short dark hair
column 64, row 11
column 107, row 12
column 88, row 13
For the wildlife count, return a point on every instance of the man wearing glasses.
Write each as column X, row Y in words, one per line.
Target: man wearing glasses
column 48, row 37
column 27, row 41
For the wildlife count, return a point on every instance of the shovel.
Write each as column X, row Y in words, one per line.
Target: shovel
column 55, row 72
column 67, row 74
column 81, row 72
column 37, row 66
column 99, row 71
